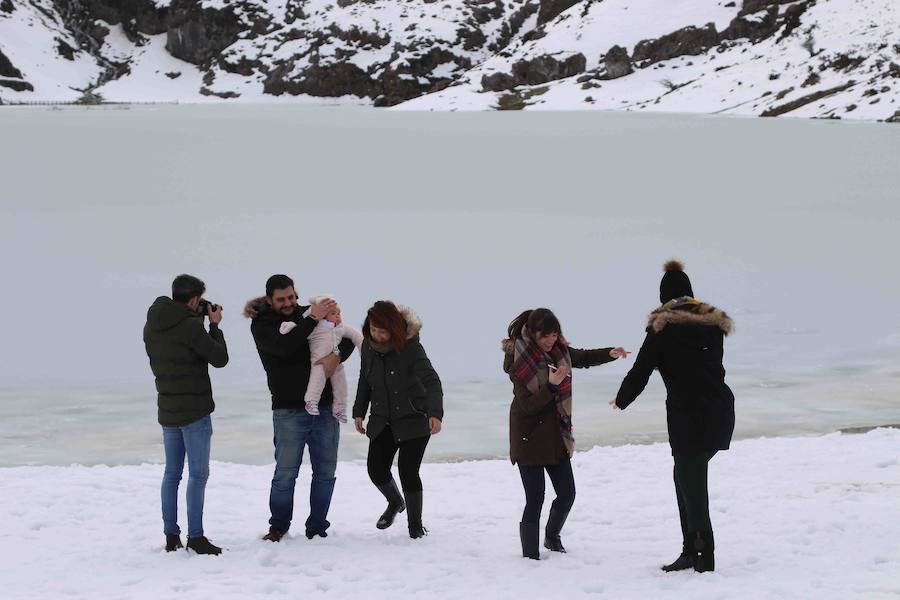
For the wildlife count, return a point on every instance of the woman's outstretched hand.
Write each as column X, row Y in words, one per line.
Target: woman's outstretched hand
column 359, row 426
column 613, row 405
column 619, row 353
column 434, row 425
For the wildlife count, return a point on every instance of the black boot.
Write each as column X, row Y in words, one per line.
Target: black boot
column 555, row 523
column 173, row 542
column 530, row 535
column 685, row 561
column 414, row 515
column 395, row 504
column 201, row 545
column 704, row 547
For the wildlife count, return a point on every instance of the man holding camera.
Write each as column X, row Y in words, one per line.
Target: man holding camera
column 180, row 350
column 280, row 328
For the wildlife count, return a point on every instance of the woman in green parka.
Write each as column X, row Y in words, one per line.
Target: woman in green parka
column 403, row 394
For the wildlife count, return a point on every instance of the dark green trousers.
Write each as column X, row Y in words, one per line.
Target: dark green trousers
column 691, row 488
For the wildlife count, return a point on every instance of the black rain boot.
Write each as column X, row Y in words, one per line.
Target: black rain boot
column 530, row 535
column 414, row 515
column 201, row 545
column 555, row 523
column 173, row 542
column 704, row 547
column 395, row 504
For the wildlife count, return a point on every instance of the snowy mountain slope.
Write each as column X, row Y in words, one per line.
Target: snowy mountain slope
column 39, row 56
column 382, row 51
column 816, row 58
column 806, row 58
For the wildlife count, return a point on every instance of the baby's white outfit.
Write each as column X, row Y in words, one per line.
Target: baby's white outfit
column 324, row 340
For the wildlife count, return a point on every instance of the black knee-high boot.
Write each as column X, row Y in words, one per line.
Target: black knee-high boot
column 395, row 504
column 530, row 536
column 704, row 547
column 414, row 514
column 555, row 522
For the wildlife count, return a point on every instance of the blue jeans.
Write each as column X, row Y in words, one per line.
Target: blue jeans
column 295, row 429
column 193, row 439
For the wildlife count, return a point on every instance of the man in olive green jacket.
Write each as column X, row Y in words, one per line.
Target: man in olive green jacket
column 180, row 350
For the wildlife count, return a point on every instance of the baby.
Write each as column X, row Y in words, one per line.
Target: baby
column 323, row 341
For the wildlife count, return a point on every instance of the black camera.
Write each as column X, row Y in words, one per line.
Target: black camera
column 205, row 305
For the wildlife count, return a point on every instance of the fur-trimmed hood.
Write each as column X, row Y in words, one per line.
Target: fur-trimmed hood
column 508, row 346
column 699, row 314
column 413, row 322
column 254, row 306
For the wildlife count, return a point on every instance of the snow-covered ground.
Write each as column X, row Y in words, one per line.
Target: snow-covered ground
column 812, row 517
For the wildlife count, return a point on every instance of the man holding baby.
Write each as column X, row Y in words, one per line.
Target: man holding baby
column 281, row 329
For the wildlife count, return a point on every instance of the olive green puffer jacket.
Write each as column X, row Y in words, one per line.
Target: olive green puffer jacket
column 180, row 350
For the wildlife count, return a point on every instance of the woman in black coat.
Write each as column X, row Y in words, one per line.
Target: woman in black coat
column 539, row 361
column 685, row 343
column 403, row 391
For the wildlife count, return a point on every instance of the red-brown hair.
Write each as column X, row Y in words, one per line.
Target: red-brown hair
column 384, row 314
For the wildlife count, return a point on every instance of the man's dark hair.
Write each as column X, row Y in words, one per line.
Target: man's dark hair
column 186, row 287
column 278, row 282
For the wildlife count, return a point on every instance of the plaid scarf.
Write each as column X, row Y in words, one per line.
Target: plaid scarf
column 530, row 368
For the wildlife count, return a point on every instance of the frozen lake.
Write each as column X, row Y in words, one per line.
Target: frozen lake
column 790, row 226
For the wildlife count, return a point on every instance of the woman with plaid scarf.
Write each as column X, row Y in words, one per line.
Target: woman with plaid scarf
column 539, row 362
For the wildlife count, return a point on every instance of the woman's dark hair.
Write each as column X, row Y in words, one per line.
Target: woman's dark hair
column 185, row 287
column 384, row 314
column 539, row 322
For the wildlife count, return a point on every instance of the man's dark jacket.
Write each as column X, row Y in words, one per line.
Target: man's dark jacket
column 285, row 357
column 180, row 351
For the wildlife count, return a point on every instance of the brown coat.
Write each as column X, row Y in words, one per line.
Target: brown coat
column 534, row 435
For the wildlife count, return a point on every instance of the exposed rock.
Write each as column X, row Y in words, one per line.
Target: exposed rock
column 173, row 74
column 755, row 29
column 196, row 35
column 751, row 6
column 895, row 118
column 617, row 63
column 803, row 101
column 7, row 69
column 136, row 16
column 17, row 85
column 339, row 79
column 547, row 67
column 550, row 9
column 205, row 91
column 497, row 82
column 687, row 41
column 65, row 50
column 7, row 6
column 511, row 27
column 791, row 18
column 844, row 62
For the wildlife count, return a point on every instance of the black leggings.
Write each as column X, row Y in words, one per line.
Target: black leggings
column 533, row 479
column 381, row 456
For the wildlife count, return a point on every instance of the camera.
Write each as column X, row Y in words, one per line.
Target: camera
column 205, row 305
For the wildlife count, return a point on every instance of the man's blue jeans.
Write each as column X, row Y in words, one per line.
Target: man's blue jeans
column 194, row 440
column 295, row 429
